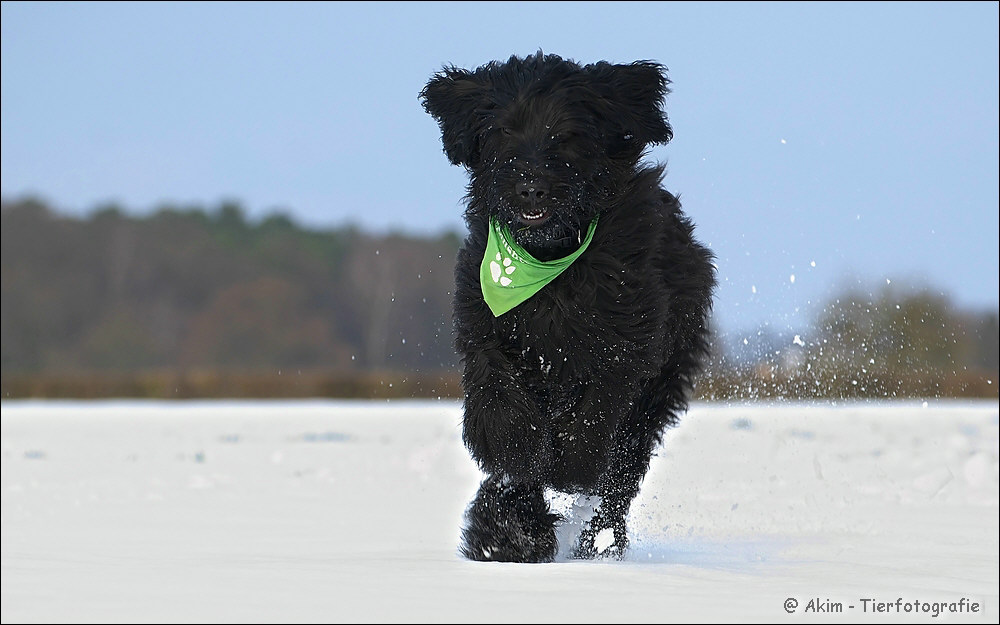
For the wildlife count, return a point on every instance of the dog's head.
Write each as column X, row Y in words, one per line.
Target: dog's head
column 548, row 142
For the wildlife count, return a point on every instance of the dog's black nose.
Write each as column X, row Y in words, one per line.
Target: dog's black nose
column 532, row 191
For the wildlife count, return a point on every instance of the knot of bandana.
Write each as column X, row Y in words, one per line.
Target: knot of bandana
column 509, row 275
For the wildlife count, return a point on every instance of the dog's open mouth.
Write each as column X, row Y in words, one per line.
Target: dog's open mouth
column 534, row 216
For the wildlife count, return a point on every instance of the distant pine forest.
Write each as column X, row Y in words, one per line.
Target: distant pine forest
column 205, row 303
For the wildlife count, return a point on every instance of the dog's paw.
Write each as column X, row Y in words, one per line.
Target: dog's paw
column 513, row 540
column 601, row 543
column 508, row 549
column 509, row 523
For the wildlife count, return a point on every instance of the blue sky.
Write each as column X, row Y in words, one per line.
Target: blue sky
column 842, row 144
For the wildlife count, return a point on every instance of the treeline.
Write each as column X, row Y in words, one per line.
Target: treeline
column 188, row 302
column 187, row 290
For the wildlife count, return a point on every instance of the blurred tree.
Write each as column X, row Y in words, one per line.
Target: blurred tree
column 186, row 287
column 262, row 324
column 882, row 341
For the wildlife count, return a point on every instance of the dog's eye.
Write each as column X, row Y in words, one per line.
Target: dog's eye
column 505, row 131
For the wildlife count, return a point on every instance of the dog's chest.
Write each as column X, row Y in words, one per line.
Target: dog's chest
column 557, row 341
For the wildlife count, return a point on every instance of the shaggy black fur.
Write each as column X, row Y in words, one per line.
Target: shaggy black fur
column 572, row 389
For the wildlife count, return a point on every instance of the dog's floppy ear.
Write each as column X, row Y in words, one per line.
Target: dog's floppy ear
column 639, row 90
column 453, row 97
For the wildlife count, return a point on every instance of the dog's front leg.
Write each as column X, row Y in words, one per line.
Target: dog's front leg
column 503, row 427
column 605, row 535
column 588, row 455
column 635, row 439
column 509, row 520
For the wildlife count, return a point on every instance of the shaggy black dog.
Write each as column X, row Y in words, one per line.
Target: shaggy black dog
column 572, row 388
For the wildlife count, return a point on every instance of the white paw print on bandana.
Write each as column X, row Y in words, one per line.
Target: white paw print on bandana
column 497, row 271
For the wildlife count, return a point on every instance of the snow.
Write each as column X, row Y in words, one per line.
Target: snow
column 350, row 511
column 604, row 539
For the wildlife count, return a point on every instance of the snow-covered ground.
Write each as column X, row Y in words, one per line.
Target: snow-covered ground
column 351, row 511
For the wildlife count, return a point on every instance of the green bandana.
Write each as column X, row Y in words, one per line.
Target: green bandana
column 510, row 275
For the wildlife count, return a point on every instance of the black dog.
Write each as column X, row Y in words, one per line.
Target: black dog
column 571, row 388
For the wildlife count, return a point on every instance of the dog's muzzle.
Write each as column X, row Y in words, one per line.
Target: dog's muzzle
column 533, row 195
